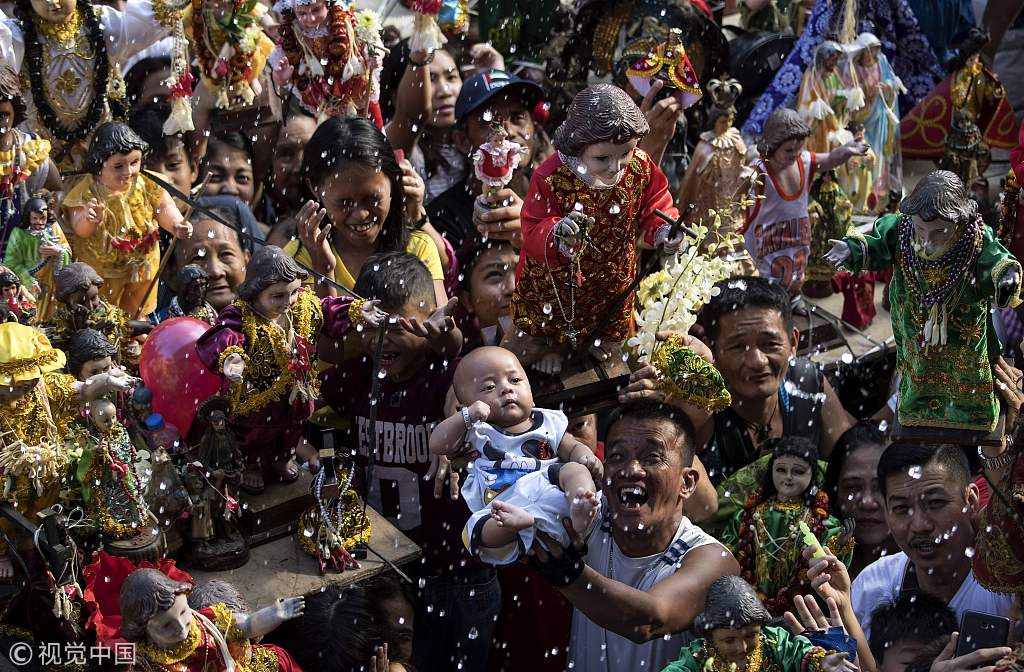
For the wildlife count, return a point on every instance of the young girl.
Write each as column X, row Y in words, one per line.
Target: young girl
column 264, row 344
column 764, row 535
column 778, row 227
column 116, row 213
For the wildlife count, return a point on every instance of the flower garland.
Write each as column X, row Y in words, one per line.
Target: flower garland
column 670, row 300
column 713, row 661
column 100, row 73
column 753, row 511
column 230, row 68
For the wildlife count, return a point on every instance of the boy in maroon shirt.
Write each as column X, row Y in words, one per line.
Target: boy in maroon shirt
column 458, row 597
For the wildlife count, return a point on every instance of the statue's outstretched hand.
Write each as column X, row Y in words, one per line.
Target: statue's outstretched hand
column 1007, row 287
column 839, row 253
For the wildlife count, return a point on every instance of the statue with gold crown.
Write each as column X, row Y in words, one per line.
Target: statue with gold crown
column 329, row 57
column 948, row 268
column 70, row 52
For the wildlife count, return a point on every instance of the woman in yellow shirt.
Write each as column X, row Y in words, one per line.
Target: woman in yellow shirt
column 360, row 206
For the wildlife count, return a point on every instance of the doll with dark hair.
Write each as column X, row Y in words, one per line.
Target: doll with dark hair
column 89, row 353
column 734, row 634
column 190, row 301
column 25, row 165
column 77, row 290
column 152, row 605
column 36, row 250
column 264, row 344
column 15, row 298
column 765, row 534
column 116, row 215
column 947, row 270
column 587, row 206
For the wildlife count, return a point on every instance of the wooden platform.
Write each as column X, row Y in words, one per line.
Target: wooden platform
column 282, row 569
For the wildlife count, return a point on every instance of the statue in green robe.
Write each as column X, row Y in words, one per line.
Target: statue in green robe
column 948, row 269
column 765, row 535
column 734, row 635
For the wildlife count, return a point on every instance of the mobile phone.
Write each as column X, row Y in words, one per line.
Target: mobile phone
column 399, row 155
column 981, row 631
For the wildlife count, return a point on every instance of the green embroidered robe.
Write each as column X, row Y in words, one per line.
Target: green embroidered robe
column 946, row 386
column 783, row 652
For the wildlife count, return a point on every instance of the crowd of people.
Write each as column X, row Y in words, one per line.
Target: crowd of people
column 391, row 258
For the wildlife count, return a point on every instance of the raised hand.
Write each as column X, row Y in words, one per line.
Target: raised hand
column 568, row 232
column 316, row 238
column 839, row 253
column 183, row 230
column 372, row 315
column 436, row 326
column 413, row 190
column 290, row 607
column 981, row 660
column 283, row 72
column 95, row 211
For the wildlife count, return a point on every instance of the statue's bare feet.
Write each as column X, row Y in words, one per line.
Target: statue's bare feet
column 510, row 516
column 252, row 480
column 550, row 364
column 6, row 568
column 582, row 509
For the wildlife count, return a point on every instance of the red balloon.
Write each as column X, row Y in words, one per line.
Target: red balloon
column 171, row 369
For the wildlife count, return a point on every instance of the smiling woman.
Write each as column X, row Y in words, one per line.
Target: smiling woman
column 355, row 207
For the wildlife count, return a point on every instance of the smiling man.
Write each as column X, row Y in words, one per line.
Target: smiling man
column 642, row 575
column 930, row 501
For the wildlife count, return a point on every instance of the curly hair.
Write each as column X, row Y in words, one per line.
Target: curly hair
column 144, row 594
column 781, row 126
column 10, row 91
column 599, row 113
column 269, row 265
column 76, row 277
column 940, row 195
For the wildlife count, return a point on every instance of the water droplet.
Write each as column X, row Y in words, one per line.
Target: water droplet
column 615, row 209
column 847, row 358
column 915, row 471
column 546, row 308
column 969, row 551
column 473, row 634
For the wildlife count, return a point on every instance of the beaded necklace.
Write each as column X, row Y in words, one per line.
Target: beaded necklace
column 34, row 60
column 956, row 263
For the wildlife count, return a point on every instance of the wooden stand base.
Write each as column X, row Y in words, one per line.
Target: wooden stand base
column 960, row 437
column 584, row 386
column 275, row 513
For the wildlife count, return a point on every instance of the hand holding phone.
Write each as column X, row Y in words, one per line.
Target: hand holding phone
column 981, row 631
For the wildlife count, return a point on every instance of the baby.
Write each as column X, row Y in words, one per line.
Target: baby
column 530, row 473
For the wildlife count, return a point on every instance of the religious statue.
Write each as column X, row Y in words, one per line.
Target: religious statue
column 90, row 353
column 212, row 479
column 824, row 102
column 72, row 52
column 25, row 165
column 77, row 290
column 148, row 605
column 765, row 534
column 971, row 89
column 37, row 250
column 18, row 304
column 587, row 206
column 106, row 474
column 717, row 178
column 731, row 610
column 880, row 119
column 496, row 160
column 831, row 215
column 947, row 269
column 329, row 56
column 264, row 345
column 778, row 227
column 965, row 154
column 231, row 48
column 37, row 406
column 190, row 301
column 116, row 215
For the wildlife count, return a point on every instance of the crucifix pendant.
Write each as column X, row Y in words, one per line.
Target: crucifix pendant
column 572, row 334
